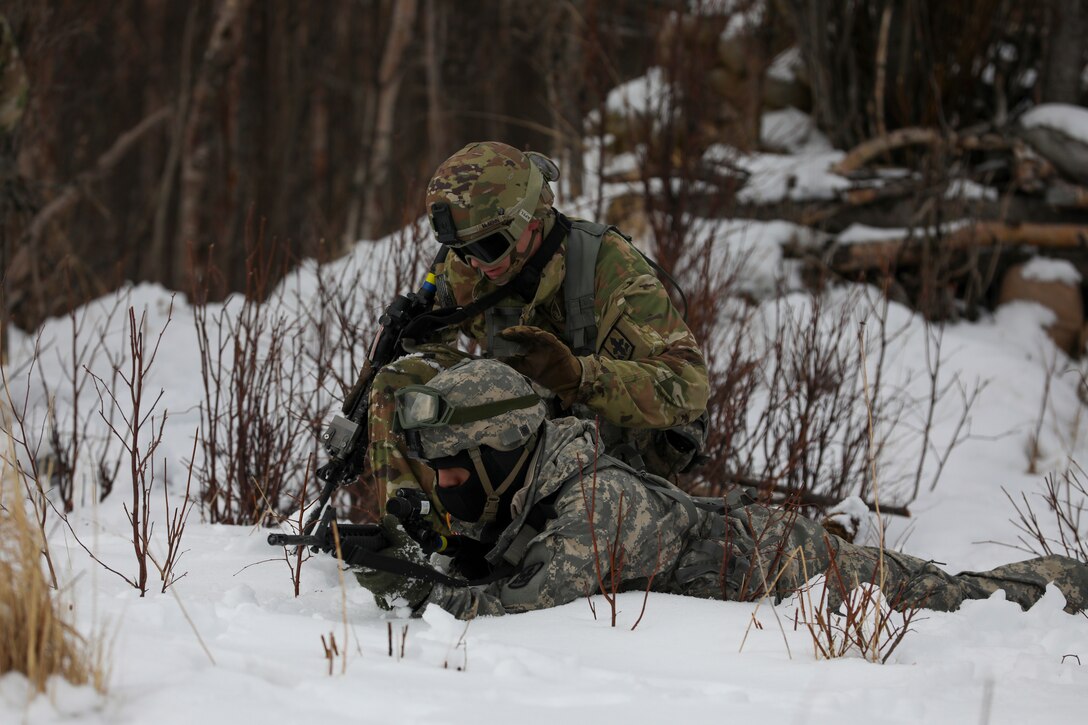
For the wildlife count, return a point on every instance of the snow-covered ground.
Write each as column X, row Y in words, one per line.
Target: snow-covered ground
column 230, row 642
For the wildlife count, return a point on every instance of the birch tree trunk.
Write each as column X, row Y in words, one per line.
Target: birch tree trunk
column 14, row 89
column 438, row 125
column 197, row 151
column 364, row 218
column 1064, row 59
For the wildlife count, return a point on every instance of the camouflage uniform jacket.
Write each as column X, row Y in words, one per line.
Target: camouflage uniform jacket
column 558, row 563
column 648, row 371
column 671, row 544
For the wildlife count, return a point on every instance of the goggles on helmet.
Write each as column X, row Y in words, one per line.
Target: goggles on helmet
column 421, row 407
column 491, row 241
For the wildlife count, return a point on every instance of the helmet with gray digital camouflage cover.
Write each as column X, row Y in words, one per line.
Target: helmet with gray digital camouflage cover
column 472, row 404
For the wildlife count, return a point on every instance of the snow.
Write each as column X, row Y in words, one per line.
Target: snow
column 966, row 189
column 644, row 95
column 988, row 662
column 756, row 247
column 863, row 233
column 792, row 131
column 1045, row 269
column 802, row 174
column 1070, row 120
column 786, row 64
column 777, row 177
column 743, row 17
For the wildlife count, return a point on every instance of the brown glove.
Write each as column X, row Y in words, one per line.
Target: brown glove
column 545, row 359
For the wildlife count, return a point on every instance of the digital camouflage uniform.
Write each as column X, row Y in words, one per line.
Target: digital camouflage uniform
column 647, row 373
column 684, row 547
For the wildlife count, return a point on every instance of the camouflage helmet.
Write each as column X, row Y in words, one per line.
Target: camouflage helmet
column 502, row 410
column 489, row 189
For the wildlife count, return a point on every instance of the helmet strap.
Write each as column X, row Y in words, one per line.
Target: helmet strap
column 522, row 214
column 491, row 508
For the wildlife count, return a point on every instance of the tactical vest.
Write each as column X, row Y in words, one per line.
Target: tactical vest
column 663, row 452
column 580, row 324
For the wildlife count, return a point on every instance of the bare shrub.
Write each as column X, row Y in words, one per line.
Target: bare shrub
column 251, row 444
column 798, row 367
column 139, row 448
column 69, row 436
column 614, row 554
column 128, row 418
column 176, row 520
column 788, row 414
column 610, row 556
column 68, row 447
column 865, row 624
column 273, row 365
column 1065, row 498
column 940, row 390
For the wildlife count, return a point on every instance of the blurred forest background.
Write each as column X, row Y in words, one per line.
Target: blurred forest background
column 169, row 141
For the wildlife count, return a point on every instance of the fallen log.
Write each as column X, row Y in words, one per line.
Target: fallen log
column 1067, row 196
column 883, row 254
column 866, row 151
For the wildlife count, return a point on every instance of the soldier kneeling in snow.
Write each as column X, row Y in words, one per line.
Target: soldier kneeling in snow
column 531, row 494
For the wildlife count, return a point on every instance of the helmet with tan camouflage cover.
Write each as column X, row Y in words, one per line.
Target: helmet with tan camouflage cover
column 481, row 199
column 472, row 404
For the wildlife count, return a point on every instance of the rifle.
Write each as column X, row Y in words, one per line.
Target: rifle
column 410, row 505
column 345, row 440
column 359, row 543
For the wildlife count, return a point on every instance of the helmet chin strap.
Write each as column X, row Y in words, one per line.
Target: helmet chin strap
column 491, row 508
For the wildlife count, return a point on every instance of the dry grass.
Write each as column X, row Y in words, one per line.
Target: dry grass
column 39, row 641
column 865, row 623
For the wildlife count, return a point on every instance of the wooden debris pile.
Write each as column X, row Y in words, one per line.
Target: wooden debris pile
column 941, row 219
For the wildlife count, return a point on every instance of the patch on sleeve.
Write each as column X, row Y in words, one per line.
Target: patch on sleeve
column 531, row 587
column 618, row 347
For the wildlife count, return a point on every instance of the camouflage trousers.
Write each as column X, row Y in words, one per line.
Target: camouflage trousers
column 774, row 551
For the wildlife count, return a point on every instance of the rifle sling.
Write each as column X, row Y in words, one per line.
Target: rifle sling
column 527, row 279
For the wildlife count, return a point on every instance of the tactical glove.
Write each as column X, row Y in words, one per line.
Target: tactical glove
column 391, row 589
column 546, row 360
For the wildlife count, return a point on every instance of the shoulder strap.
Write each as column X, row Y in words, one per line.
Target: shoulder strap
column 538, row 517
column 435, row 320
column 583, row 245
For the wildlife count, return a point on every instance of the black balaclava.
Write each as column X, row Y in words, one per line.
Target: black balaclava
column 468, row 502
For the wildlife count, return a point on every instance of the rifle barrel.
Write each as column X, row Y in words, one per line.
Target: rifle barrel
column 292, row 540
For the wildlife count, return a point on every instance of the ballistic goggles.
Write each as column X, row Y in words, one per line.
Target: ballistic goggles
column 421, row 407
column 491, row 241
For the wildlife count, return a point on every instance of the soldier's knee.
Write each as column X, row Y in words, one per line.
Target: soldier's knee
column 406, row 371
